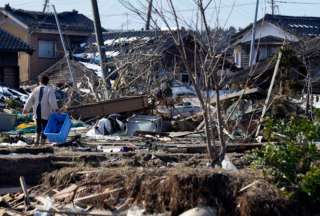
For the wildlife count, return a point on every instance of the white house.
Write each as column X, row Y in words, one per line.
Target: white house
column 271, row 32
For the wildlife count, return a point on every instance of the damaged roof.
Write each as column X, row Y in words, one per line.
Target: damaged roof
column 10, row 43
column 69, row 20
column 129, row 34
column 301, row 26
column 59, row 72
column 154, row 41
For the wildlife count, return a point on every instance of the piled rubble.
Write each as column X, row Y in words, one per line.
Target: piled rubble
column 147, row 153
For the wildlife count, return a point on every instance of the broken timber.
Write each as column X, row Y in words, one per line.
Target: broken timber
column 121, row 105
column 193, row 149
column 264, row 110
column 239, row 94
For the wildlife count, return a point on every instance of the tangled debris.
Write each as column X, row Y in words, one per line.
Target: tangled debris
column 153, row 156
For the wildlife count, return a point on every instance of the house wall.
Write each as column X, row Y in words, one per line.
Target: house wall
column 9, row 70
column 267, row 29
column 172, row 62
column 241, row 56
column 22, row 33
column 59, row 73
column 263, row 30
column 244, row 59
column 267, row 50
column 8, row 59
column 39, row 64
column 32, row 65
column 242, row 53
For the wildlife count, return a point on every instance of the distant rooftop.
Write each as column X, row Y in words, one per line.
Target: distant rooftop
column 127, row 34
column 300, row 26
column 69, row 20
column 117, row 41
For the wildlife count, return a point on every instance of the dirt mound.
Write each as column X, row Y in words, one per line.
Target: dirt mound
column 177, row 192
column 174, row 190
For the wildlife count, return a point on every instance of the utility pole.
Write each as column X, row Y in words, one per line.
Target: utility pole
column 66, row 53
column 274, row 7
column 149, row 15
column 252, row 48
column 100, row 44
column 127, row 21
column 45, row 5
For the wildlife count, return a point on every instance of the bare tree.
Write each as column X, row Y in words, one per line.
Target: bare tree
column 204, row 63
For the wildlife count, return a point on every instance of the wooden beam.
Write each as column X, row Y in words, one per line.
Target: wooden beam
column 122, row 105
column 266, row 103
column 87, row 200
column 202, row 148
column 238, row 94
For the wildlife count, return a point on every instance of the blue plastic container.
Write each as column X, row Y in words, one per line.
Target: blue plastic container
column 58, row 127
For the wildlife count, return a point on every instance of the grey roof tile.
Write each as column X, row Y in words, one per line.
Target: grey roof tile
column 10, row 43
column 69, row 20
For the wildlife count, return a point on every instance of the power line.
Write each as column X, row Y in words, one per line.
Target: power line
column 182, row 10
column 298, row 2
column 273, row 6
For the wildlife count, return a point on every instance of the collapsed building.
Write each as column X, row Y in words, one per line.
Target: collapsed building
column 145, row 159
column 148, row 57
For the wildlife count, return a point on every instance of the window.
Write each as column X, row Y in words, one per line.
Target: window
column 266, row 52
column 237, row 57
column 273, row 50
column 47, row 49
column 185, row 78
column 263, row 53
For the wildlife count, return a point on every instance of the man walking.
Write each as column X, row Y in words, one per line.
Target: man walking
column 43, row 102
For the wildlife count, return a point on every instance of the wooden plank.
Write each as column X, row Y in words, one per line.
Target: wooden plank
column 202, row 148
column 238, row 94
column 66, row 192
column 183, row 133
column 94, row 197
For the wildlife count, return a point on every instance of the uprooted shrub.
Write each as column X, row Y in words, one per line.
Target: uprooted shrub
column 291, row 157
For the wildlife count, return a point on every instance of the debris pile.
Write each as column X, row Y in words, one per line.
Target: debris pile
column 145, row 149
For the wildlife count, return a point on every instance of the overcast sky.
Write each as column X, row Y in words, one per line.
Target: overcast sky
column 238, row 13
